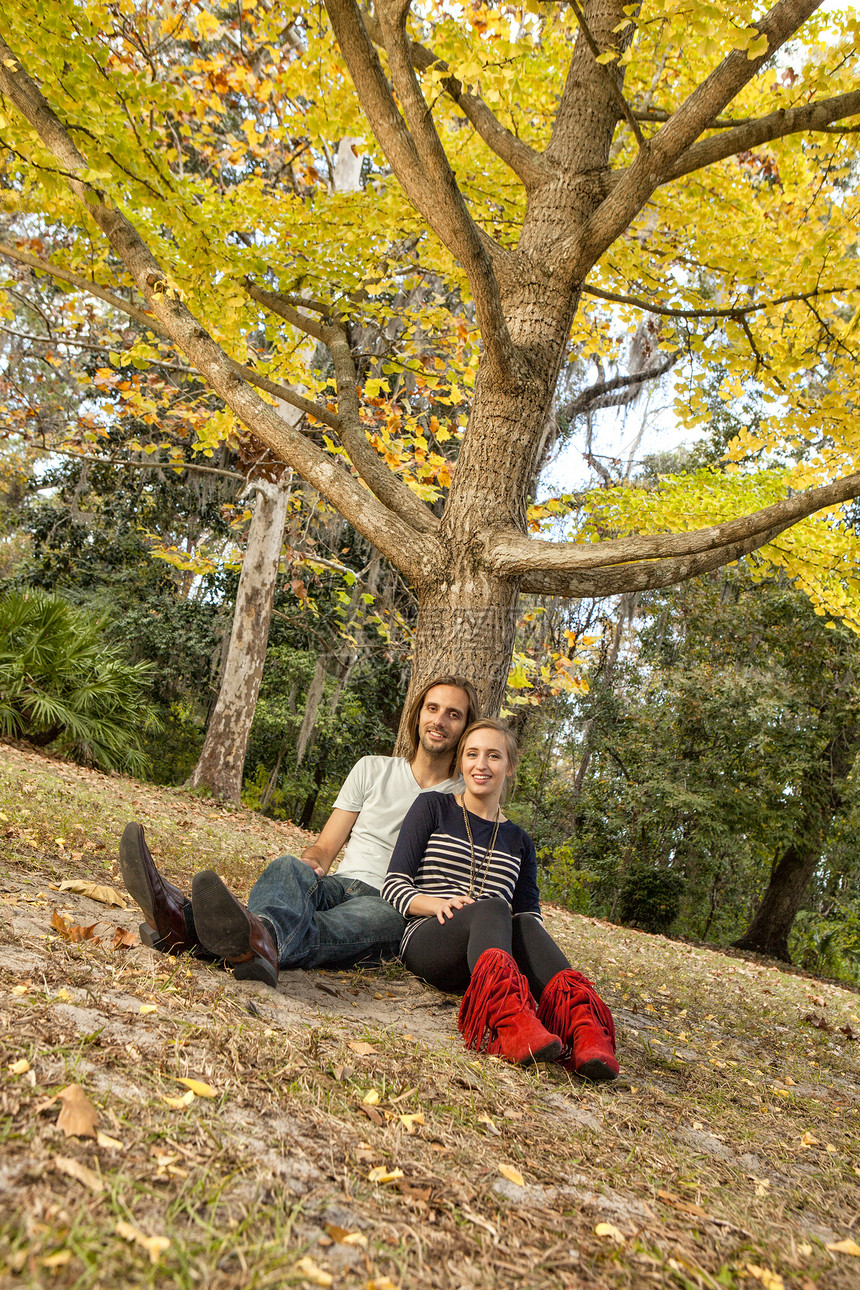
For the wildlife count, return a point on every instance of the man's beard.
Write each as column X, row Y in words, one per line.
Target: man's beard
column 438, row 749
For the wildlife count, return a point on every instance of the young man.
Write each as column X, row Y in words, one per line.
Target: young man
column 298, row 914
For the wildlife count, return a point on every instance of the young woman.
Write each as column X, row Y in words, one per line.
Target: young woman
column 465, row 878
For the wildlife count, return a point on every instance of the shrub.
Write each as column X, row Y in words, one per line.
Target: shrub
column 649, row 897
column 562, row 881
column 59, row 682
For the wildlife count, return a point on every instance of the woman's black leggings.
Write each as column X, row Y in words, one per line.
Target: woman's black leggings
column 445, row 955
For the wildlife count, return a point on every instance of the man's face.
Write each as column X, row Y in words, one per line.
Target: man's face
column 442, row 719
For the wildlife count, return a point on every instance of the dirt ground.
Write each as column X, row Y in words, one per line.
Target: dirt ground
column 338, row 1133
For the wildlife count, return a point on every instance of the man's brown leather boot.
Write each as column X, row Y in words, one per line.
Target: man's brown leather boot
column 169, row 925
column 231, row 932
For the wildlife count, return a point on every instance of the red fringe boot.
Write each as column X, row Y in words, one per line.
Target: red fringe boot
column 498, row 1013
column 571, row 1007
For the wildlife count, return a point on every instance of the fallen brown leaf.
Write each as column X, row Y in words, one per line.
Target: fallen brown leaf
column 820, row 1023
column 95, row 891
column 73, row 931
column 513, row 1175
column 362, row 1049
column 123, row 939
column 685, row 1206
column 78, row 1118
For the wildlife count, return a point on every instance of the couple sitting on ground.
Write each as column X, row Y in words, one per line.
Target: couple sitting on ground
column 433, row 874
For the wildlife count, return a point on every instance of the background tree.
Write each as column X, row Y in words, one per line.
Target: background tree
column 594, row 155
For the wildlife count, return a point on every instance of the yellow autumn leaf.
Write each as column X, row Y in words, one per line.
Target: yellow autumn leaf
column 109, row 1143
column 313, row 1272
column 409, row 1121
column 154, row 1245
column 147, row 1007
column 380, row 1283
column 513, row 1175
column 371, row 1098
column 845, row 1247
column 95, row 890
column 179, row 1103
column 609, row 1232
column 382, row 1175
column 20, row 1067
column 81, row 1173
column 197, row 1086
column 770, row 1280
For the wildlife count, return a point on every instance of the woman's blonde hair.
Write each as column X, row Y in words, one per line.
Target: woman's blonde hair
column 512, row 748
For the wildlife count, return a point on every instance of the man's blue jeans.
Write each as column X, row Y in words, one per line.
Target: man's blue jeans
column 316, row 921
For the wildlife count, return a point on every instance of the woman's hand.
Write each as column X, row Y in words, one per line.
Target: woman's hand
column 440, row 907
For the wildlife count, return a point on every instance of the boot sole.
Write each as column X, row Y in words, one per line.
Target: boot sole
column 223, row 928
column 133, row 868
column 549, row 1053
column 595, row 1071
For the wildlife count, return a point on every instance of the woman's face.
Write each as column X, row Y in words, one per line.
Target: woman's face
column 484, row 763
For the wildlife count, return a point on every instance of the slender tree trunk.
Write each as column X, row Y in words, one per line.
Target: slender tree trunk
column 769, row 930
column 316, row 689
column 626, row 610
column 222, row 759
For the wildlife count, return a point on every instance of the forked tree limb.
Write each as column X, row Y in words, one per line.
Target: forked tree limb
column 415, row 554
column 608, row 73
column 654, row 164
column 752, row 134
column 526, row 162
column 513, row 554
column 388, row 487
column 731, row 311
column 644, row 575
column 415, row 154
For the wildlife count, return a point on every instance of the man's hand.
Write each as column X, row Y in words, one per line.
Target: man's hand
column 310, row 857
column 320, row 855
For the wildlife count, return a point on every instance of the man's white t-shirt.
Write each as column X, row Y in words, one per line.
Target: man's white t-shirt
column 382, row 789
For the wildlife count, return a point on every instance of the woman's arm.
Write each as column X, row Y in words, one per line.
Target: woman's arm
column 526, row 897
column 440, row 907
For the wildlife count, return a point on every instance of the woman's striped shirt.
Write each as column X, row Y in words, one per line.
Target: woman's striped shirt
column 432, row 856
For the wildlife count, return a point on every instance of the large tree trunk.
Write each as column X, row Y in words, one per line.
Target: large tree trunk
column 789, row 882
column 223, row 756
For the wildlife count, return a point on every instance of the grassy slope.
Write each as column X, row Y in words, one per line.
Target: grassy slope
column 727, row 1155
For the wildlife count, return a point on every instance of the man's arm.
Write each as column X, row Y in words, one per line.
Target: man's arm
column 336, row 830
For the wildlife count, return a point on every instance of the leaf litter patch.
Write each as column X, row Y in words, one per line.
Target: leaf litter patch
column 336, row 1132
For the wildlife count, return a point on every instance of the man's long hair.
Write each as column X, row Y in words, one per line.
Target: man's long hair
column 473, row 713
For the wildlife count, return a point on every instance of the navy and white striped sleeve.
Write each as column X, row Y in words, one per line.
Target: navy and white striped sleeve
column 526, row 897
column 421, row 822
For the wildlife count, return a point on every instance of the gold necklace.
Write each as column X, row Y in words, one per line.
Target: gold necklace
column 488, row 854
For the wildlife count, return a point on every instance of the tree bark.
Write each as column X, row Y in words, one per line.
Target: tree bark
column 769, row 930
column 222, row 758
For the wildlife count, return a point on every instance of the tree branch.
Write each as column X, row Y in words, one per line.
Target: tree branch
column 643, row 576
column 526, row 162
column 655, row 162
column 152, row 324
column 419, row 161
column 147, row 465
column 732, row 311
column 752, row 134
column 606, row 71
column 395, row 494
column 415, row 554
column 513, row 554
column 617, row 392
